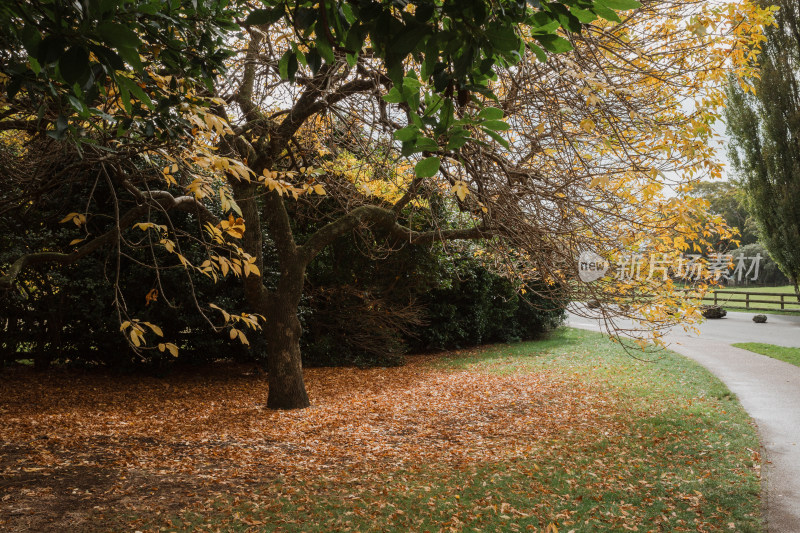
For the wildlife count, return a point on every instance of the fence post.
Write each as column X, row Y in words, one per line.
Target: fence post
column 715, row 297
column 747, row 301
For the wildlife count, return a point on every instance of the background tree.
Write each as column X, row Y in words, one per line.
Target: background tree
column 765, row 129
column 728, row 199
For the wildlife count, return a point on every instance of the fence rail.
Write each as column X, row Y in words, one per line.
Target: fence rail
column 780, row 301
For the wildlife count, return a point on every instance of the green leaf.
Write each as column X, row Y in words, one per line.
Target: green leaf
column 287, row 66
column 495, row 125
column 606, row 13
column 496, row 137
column 554, row 43
column 503, row 38
column 257, row 17
column 125, row 96
column 538, row 52
column 406, row 134
column 491, row 113
column 325, row 50
column 426, row 144
column 77, row 104
column 35, row 66
column 314, row 60
column 583, row 15
column 74, row 65
column 407, row 40
column 131, row 55
column 457, row 141
column 620, row 5
column 132, row 87
column 118, row 35
column 283, row 65
column 50, row 49
column 428, row 167
column 394, row 96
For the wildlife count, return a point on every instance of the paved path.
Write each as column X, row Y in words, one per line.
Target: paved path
column 767, row 388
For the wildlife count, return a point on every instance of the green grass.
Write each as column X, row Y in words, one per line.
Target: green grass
column 678, row 457
column 783, row 353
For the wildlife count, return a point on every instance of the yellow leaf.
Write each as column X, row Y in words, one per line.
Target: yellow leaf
column 460, row 189
column 76, row 241
column 156, row 329
column 233, row 333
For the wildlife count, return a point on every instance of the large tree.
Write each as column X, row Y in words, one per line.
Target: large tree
column 546, row 130
column 765, row 128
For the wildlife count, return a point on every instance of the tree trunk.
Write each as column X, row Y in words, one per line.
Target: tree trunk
column 796, row 283
column 279, row 307
column 287, row 388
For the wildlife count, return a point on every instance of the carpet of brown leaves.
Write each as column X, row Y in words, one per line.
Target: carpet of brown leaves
column 75, row 448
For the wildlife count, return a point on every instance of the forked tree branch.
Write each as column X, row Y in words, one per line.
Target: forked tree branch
column 386, row 219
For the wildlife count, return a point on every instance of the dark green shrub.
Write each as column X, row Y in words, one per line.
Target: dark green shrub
column 481, row 307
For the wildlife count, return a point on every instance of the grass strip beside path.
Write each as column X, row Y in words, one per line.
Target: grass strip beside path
column 783, row 353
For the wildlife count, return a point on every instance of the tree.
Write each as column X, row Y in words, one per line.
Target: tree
column 727, row 199
column 765, row 129
column 547, row 131
column 569, row 170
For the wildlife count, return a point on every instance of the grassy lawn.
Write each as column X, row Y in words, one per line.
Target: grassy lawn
column 790, row 355
column 567, row 434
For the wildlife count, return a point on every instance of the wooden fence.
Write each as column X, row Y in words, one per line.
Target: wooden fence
column 780, row 301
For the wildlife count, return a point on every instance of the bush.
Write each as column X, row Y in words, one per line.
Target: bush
column 481, row 307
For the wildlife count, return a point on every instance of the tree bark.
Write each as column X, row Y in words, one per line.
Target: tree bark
column 287, row 389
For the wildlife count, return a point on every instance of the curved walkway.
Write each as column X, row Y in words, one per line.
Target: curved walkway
column 767, row 388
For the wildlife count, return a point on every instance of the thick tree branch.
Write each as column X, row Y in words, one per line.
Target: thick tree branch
column 280, row 228
column 30, row 126
column 386, row 219
column 409, row 195
column 244, row 193
column 310, row 104
column 244, row 96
